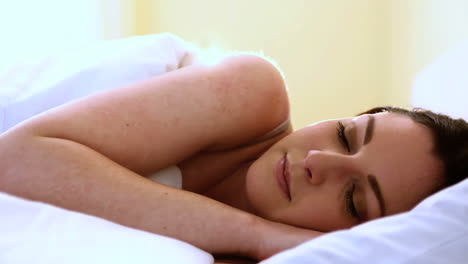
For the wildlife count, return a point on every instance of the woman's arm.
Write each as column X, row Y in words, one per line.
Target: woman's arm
column 73, row 156
column 159, row 122
column 75, row 177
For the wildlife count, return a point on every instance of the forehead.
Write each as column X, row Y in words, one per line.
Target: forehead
column 403, row 160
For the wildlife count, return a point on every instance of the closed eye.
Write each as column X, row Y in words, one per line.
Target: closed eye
column 350, row 205
column 340, row 131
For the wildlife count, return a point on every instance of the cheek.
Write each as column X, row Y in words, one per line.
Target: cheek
column 316, row 210
column 261, row 190
column 314, row 213
column 312, row 140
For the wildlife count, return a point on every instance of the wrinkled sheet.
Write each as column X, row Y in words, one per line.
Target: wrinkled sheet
column 32, row 232
column 28, row 88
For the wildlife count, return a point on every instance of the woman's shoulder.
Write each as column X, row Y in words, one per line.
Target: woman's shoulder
column 256, row 86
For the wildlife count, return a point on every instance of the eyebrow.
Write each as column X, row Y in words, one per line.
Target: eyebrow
column 369, row 129
column 378, row 193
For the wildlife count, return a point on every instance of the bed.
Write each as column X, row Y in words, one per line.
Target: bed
column 33, row 232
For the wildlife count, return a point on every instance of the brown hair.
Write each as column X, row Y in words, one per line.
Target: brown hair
column 450, row 139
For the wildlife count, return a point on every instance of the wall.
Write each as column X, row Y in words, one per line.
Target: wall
column 421, row 31
column 31, row 27
column 339, row 57
column 118, row 18
column 35, row 28
column 333, row 53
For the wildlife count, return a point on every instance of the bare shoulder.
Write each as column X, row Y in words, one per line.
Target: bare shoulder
column 256, row 90
column 167, row 119
column 260, row 75
column 254, row 115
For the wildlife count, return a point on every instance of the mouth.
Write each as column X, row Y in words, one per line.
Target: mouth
column 283, row 176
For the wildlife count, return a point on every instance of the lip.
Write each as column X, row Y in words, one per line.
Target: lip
column 283, row 176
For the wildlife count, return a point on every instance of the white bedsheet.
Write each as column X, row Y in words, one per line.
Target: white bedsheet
column 33, row 232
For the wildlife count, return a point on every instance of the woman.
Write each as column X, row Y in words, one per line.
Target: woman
column 251, row 186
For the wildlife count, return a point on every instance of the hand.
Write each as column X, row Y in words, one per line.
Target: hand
column 275, row 237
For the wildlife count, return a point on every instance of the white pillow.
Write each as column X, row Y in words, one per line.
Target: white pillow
column 33, row 232
column 435, row 231
column 442, row 86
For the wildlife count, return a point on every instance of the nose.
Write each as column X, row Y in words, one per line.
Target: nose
column 322, row 166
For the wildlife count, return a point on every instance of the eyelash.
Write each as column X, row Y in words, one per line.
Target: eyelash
column 340, row 130
column 351, row 208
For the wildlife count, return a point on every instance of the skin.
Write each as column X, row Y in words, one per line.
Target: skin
column 399, row 156
column 90, row 155
column 69, row 158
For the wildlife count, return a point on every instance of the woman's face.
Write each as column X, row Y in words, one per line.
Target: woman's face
column 339, row 173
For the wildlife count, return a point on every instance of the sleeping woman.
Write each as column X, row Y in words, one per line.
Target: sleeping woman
column 251, row 185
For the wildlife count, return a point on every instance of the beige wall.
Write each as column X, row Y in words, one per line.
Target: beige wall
column 339, row 57
column 118, row 18
column 421, row 31
column 332, row 52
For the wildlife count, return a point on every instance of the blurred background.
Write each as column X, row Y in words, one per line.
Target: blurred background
column 339, row 57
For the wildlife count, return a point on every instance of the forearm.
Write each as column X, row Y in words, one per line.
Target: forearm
column 75, row 177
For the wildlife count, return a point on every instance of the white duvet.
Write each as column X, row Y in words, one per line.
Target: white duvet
column 32, row 232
